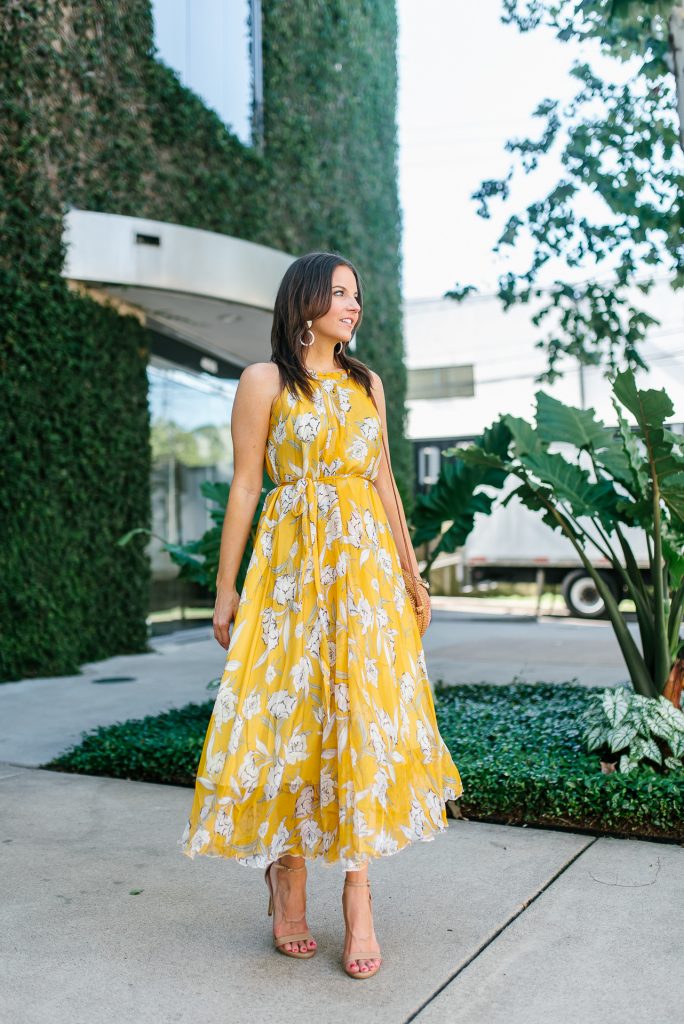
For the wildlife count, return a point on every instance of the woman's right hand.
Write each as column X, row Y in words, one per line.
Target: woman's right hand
column 225, row 610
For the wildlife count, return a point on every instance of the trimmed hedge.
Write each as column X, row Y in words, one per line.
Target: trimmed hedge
column 518, row 749
column 90, row 118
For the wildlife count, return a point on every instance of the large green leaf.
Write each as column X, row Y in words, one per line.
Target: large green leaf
column 651, row 409
column 672, row 493
column 563, row 423
column 525, row 437
column 638, row 481
column 573, row 485
column 457, row 496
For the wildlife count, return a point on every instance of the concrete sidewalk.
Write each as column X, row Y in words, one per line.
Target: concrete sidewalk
column 104, row 919
column 40, row 718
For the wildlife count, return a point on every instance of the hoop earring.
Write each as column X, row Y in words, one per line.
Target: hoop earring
column 337, row 350
column 309, row 331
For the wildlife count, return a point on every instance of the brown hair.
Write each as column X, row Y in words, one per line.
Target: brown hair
column 305, row 293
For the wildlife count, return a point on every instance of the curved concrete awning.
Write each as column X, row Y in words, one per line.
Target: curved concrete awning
column 210, row 290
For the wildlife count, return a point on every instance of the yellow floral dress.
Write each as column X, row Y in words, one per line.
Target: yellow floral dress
column 323, row 740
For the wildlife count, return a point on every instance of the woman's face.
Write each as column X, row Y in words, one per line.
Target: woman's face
column 339, row 322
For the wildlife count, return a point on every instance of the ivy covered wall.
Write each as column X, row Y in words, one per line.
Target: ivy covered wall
column 90, row 118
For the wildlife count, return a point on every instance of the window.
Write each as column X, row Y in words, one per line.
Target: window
column 215, row 46
column 441, row 382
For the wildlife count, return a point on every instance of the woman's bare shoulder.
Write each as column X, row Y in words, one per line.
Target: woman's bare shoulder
column 261, row 380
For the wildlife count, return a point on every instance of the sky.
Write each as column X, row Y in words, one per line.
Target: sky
column 467, row 83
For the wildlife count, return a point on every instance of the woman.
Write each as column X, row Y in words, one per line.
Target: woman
column 323, row 740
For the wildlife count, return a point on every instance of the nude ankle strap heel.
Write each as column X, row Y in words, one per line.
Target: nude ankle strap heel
column 346, row 963
column 279, row 943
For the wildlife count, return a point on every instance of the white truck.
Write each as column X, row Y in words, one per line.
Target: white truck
column 513, row 544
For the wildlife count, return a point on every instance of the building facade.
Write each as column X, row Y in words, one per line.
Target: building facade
column 162, row 163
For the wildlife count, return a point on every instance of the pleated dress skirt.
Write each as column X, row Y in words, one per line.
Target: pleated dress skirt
column 323, row 740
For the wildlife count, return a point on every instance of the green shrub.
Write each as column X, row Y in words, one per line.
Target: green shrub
column 519, row 750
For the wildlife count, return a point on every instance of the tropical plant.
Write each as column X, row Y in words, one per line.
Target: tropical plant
column 636, row 728
column 616, row 478
column 199, row 559
column 613, row 219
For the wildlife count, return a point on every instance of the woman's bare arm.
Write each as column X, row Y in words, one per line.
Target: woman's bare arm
column 385, row 488
column 249, row 424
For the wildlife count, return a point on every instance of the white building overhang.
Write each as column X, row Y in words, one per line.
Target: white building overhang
column 213, row 291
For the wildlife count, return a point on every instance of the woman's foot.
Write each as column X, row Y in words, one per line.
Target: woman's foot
column 361, row 950
column 289, row 903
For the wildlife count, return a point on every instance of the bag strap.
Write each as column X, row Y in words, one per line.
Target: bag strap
column 401, row 518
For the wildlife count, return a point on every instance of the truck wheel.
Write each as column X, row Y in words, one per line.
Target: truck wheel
column 582, row 597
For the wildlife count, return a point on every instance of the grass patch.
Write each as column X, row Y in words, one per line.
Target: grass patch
column 518, row 749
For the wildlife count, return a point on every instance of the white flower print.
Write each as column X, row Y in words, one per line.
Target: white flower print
column 424, row 742
column 434, row 806
column 296, row 749
column 370, row 427
column 270, row 674
column 327, row 788
column 279, row 843
column 235, row 734
column 385, row 561
column 370, row 667
column 214, row 765
column 358, row 450
column 384, row 844
column 281, row 704
column 341, row 691
column 360, row 825
column 224, row 824
column 379, row 789
column 296, row 784
column 267, row 543
column 333, row 527
column 299, row 673
column 270, row 633
column 304, row 804
column 343, row 399
column 389, row 727
column 263, row 830
column 225, row 706
column 326, row 495
column 407, row 687
column 310, row 833
column 248, row 772
column 327, row 840
column 200, row 839
column 371, row 528
column 365, row 613
column 279, row 431
column 328, row 575
column 306, row 427
column 341, row 565
column 379, row 749
column 417, row 820
column 252, row 706
column 355, row 529
column 274, row 780
column 285, row 587
column 318, row 402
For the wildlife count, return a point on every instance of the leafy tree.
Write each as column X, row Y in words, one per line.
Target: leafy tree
column 619, row 143
column 612, row 480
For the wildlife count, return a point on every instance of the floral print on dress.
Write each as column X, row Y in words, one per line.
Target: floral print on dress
column 323, row 740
